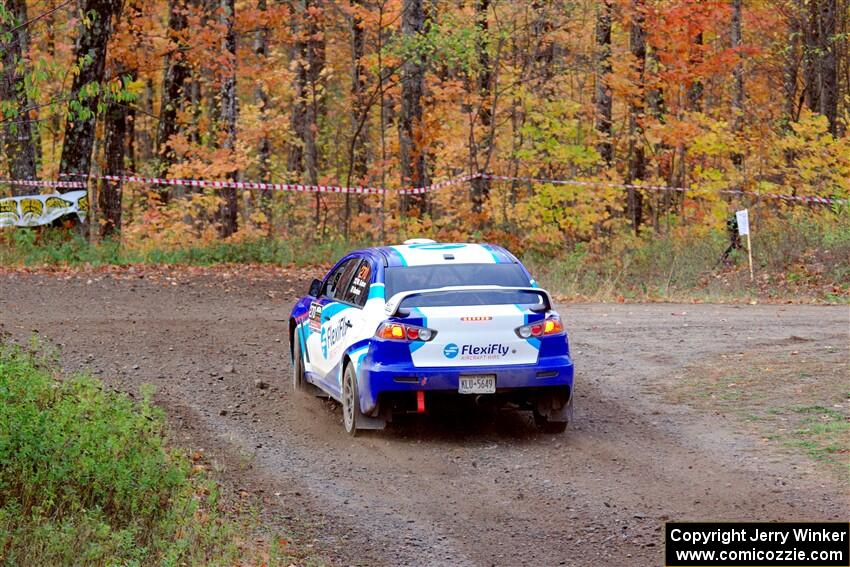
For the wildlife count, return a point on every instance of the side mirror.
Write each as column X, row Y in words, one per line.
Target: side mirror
column 315, row 288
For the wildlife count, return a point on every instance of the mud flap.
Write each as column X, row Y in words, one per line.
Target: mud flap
column 554, row 408
column 366, row 422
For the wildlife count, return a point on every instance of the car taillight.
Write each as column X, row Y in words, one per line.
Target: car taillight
column 401, row 332
column 548, row 326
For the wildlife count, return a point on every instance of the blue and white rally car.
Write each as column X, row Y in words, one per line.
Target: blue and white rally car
column 400, row 328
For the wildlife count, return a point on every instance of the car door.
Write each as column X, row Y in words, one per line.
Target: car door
column 330, row 321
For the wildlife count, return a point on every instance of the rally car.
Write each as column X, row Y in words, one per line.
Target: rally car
column 398, row 329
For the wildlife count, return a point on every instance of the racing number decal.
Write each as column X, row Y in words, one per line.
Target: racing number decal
column 359, row 283
column 315, row 316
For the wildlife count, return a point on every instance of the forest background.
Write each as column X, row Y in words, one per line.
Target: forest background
column 703, row 95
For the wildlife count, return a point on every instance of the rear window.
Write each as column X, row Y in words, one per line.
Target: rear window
column 474, row 297
column 443, row 275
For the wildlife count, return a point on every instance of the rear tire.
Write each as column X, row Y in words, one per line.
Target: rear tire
column 350, row 401
column 298, row 380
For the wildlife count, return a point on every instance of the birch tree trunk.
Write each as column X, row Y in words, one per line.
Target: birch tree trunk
column 229, row 210
column 637, row 160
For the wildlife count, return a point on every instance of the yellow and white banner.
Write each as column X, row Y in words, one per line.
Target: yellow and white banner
column 38, row 210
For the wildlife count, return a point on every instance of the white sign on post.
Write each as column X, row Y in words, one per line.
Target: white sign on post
column 743, row 218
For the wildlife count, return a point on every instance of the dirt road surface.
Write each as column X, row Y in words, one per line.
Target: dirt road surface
column 479, row 489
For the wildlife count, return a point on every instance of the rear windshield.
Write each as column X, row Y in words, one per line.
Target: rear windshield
column 473, row 297
column 443, row 275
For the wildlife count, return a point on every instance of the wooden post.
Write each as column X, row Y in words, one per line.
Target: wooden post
column 750, row 255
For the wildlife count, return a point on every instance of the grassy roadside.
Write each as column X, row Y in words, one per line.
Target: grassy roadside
column 797, row 258
column 87, row 478
column 796, row 399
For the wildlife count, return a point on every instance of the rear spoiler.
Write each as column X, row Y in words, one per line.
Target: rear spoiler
column 392, row 308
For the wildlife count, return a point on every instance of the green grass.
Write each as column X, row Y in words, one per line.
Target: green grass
column 86, row 478
column 797, row 254
column 59, row 247
column 799, row 402
column 794, row 256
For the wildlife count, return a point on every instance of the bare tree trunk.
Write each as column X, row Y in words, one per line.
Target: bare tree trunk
column 229, row 211
column 261, row 49
column 413, row 167
column 791, row 68
column 80, row 124
column 109, row 197
column 358, row 168
column 173, row 82
column 828, row 61
column 696, row 89
column 309, row 56
column 811, row 75
column 480, row 185
column 738, row 74
column 20, row 142
column 637, row 162
column 604, row 101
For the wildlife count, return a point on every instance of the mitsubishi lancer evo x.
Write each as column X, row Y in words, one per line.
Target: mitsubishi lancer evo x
column 399, row 329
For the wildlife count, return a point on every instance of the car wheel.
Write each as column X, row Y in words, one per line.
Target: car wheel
column 298, row 382
column 350, row 400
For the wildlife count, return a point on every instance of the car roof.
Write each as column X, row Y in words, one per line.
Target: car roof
column 436, row 253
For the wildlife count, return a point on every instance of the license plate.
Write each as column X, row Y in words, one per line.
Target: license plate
column 477, row 384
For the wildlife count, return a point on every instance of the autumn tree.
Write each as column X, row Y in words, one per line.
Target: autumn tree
column 90, row 59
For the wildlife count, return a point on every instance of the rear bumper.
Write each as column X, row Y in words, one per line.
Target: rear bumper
column 378, row 379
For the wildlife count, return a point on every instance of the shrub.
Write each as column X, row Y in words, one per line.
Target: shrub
column 86, row 478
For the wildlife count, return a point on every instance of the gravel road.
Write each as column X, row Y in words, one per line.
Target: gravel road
column 476, row 489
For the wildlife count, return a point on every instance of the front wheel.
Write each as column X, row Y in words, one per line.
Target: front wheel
column 350, row 401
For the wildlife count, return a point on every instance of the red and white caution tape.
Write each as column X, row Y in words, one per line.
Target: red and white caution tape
column 297, row 187
column 38, row 183
column 302, row 188
column 788, row 198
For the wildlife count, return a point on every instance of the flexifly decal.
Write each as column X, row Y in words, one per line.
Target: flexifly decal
column 333, row 334
column 474, row 335
column 491, row 351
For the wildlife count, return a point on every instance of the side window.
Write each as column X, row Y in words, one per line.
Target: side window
column 336, row 283
column 358, row 289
